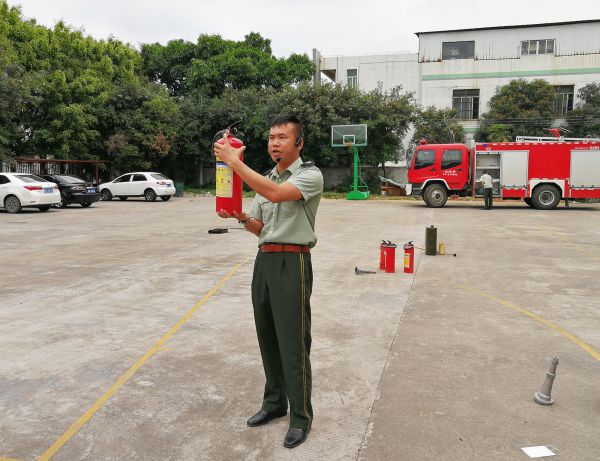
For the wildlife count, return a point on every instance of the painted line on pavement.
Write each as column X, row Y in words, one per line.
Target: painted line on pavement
column 567, row 334
column 71, row 431
column 578, row 246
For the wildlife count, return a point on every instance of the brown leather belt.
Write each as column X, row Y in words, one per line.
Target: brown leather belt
column 284, row 248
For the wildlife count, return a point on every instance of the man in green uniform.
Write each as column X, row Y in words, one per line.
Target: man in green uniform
column 282, row 216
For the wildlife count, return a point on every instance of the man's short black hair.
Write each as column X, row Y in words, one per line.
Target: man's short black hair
column 285, row 119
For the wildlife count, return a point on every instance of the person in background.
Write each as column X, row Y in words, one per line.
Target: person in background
column 488, row 189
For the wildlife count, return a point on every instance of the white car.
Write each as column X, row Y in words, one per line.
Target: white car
column 145, row 184
column 18, row 190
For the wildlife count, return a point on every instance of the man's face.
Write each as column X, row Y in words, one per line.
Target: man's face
column 282, row 142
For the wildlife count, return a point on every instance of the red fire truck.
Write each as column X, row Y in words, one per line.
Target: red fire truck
column 541, row 171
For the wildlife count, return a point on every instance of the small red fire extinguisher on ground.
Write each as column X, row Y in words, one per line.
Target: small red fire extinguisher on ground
column 228, row 183
column 390, row 257
column 409, row 257
column 382, row 248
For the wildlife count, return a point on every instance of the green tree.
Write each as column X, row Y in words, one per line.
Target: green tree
column 527, row 108
column 214, row 64
column 584, row 120
column 437, row 126
column 64, row 94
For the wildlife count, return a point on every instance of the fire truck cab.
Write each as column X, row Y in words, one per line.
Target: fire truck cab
column 540, row 171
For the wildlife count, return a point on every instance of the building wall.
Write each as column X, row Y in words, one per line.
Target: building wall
column 505, row 44
column 497, row 60
column 388, row 69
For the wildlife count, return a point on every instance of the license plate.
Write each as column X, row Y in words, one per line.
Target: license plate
column 91, row 190
column 48, row 190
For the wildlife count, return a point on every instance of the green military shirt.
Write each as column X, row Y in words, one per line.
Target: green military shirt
column 291, row 222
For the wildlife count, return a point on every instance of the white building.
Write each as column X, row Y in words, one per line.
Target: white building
column 462, row 68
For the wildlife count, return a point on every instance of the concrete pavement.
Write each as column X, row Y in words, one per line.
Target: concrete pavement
column 126, row 333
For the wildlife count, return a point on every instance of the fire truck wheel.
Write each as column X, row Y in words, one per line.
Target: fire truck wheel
column 545, row 197
column 435, row 196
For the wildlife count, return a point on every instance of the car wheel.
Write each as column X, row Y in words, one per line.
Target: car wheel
column 12, row 204
column 63, row 201
column 105, row 194
column 435, row 196
column 545, row 197
column 165, row 198
column 149, row 195
column 123, row 198
column 44, row 208
column 86, row 204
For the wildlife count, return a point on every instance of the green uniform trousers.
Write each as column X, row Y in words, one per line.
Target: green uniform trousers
column 281, row 289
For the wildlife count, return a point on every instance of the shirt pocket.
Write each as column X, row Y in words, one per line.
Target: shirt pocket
column 289, row 209
column 266, row 209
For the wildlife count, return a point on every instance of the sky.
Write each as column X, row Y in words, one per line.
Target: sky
column 334, row 27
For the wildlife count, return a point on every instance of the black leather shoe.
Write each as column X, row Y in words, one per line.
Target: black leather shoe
column 294, row 437
column 262, row 417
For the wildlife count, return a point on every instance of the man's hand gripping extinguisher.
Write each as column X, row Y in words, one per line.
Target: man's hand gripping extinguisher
column 228, row 183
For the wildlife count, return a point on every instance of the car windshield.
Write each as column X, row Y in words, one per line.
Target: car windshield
column 30, row 178
column 159, row 176
column 70, row 180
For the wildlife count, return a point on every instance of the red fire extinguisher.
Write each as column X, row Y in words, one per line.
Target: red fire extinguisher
column 382, row 248
column 409, row 257
column 390, row 257
column 228, row 183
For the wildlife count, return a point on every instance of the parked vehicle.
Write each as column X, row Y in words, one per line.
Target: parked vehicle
column 139, row 184
column 73, row 190
column 19, row 190
column 540, row 171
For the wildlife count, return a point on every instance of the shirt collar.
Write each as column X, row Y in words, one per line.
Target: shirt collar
column 293, row 168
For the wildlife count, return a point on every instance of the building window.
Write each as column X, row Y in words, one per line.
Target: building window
column 458, row 50
column 352, row 76
column 563, row 100
column 545, row 46
column 466, row 103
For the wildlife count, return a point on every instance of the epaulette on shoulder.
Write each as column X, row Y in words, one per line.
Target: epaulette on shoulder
column 308, row 164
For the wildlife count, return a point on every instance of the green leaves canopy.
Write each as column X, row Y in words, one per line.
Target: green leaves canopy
column 520, row 108
column 66, row 95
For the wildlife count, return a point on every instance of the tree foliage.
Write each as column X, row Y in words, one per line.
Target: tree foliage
column 521, row 108
column 584, row 120
column 387, row 115
column 214, row 64
column 65, row 95
column 437, row 126
column 61, row 94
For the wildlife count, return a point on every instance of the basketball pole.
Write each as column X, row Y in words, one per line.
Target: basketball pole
column 356, row 194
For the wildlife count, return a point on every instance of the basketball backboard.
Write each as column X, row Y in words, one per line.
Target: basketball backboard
column 348, row 135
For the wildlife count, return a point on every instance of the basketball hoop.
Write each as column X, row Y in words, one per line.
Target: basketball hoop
column 352, row 137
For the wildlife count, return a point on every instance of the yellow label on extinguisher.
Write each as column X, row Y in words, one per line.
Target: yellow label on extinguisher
column 406, row 260
column 224, row 180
